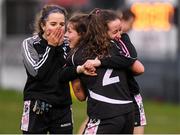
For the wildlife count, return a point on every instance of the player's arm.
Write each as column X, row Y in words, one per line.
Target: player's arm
column 78, row 90
column 37, row 66
column 137, row 67
column 69, row 73
column 115, row 60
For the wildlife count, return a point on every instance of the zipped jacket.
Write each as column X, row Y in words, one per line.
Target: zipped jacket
column 42, row 63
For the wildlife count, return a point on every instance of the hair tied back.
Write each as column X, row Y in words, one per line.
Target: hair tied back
column 98, row 11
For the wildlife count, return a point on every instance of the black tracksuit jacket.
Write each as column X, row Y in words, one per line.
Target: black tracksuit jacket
column 42, row 63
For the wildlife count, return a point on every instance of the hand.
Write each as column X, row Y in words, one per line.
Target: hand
column 55, row 37
column 86, row 71
column 92, row 63
column 90, row 73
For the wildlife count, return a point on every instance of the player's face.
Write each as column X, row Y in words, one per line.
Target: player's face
column 72, row 35
column 54, row 21
column 114, row 29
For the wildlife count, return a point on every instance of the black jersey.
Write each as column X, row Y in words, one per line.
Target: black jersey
column 129, row 50
column 108, row 92
column 42, row 63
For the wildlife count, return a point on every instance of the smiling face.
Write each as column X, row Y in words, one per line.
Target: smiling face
column 53, row 21
column 72, row 35
column 114, row 29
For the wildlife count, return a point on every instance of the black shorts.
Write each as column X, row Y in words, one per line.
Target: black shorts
column 55, row 121
column 122, row 124
column 139, row 117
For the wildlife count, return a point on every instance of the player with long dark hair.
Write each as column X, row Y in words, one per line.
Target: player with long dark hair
column 113, row 23
column 108, row 94
column 47, row 102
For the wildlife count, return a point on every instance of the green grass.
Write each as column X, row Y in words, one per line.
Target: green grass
column 162, row 118
column 10, row 111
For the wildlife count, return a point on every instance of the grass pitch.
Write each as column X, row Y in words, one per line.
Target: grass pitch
column 162, row 118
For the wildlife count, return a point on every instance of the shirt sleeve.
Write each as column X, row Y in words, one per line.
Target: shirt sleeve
column 68, row 72
column 36, row 65
column 130, row 47
column 116, row 59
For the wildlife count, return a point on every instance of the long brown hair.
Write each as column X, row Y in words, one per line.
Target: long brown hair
column 96, row 39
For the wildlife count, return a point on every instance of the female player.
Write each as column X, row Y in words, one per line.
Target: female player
column 47, row 103
column 106, row 108
column 114, row 31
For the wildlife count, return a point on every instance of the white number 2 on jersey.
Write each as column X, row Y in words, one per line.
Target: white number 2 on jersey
column 107, row 80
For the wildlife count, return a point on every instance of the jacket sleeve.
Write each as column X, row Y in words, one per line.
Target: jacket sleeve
column 68, row 72
column 117, row 60
column 132, row 50
column 37, row 66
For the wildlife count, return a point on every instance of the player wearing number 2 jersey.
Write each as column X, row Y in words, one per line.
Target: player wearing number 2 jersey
column 128, row 50
column 110, row 107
